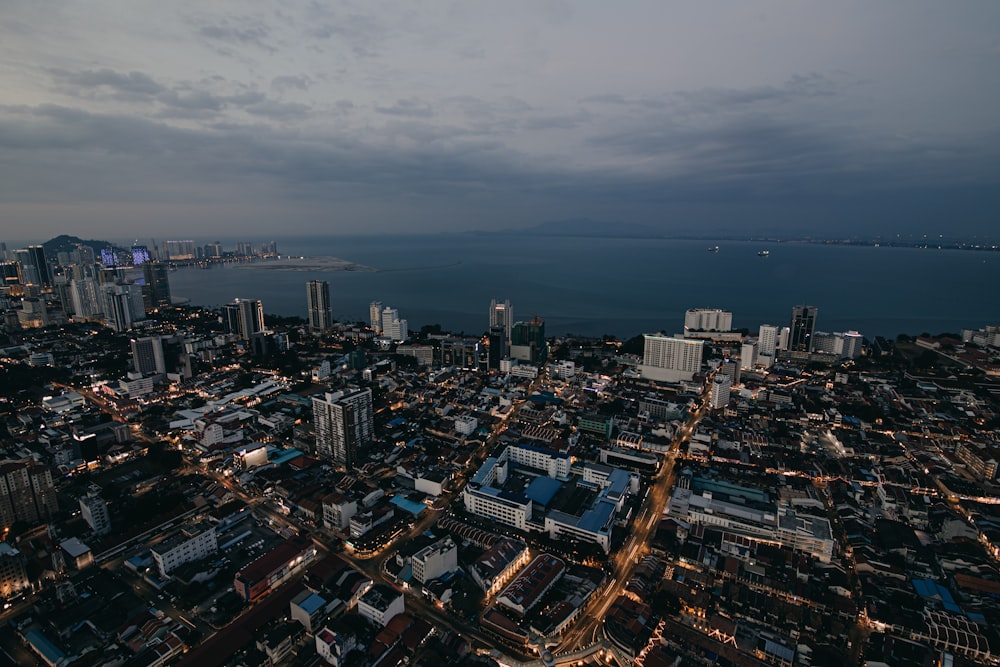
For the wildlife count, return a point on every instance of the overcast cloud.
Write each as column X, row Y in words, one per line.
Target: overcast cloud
column 206, row 119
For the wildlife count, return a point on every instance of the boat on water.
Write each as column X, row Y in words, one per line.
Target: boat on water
column 763, row 253
column 713, row 248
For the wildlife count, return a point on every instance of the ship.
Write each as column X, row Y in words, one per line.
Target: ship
column 713, row 248
column 763, row 253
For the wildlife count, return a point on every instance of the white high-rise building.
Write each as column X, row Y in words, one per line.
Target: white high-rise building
column 667, row 359
column 375, row 314
column 83, row 292
column 708, row 319
column 853, row 342
column 748, row 356
column 343, row 421
column 122, row 306
column 318, row 305
column 720, row 391
column 767, row 340
column 95, row 511
column 393, row 326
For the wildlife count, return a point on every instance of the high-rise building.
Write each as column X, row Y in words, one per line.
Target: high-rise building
column 748, row 356
column 853, row 343
column 708, row 319
column 343, row 421
column 720, row 391
column 179, row 250
column 13, row 574
column 26, row 492
column 802, row 327
column 394, row 327
column 86, row 304
column 95, row 511
column 667, row 359
column 147, row 355
column 122, row 305
column 251, row 317
column 502, row 315
column 156, row 291
column 37, row 254
column 375, row 315
column 318, row 302
column 767, row 340
column 527, row 341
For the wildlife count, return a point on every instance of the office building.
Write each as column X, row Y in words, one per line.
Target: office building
column 708, row 319
column 230, row 317
column 343, row 421
column 748, row 356
column 318, row 304
column 147, row 356
column 41, row 265
column 251, row 317
column 527, row 342
column 375, row 316
column 802, row 327
column 502, row 315
column 156, row 291
column 667, row 359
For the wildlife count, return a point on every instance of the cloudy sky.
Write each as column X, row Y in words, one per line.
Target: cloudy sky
column 124, row 118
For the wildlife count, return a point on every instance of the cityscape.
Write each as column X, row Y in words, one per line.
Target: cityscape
column 185, row 485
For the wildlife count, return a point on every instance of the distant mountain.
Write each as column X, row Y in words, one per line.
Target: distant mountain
column 584, row 227
column 66, row 243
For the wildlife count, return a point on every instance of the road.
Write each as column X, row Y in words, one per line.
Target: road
column 626, row 559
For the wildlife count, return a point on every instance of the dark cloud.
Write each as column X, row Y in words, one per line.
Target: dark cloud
column 288, row 82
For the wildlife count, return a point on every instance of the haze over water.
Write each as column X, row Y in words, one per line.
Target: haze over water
column 623, row 287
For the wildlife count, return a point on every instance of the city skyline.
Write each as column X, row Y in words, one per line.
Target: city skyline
column 809, row 119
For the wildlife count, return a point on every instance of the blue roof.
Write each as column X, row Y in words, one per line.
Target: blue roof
column 41, row 643
column 484, row 471
column 408, row 505
column 312, row 604
column 543, row 489
column 398, row 421
column 928, row 588
column 597, row 517
column 545, row 397
column 284, row 456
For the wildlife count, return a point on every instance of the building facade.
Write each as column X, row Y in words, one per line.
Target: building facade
column 802, row 327
column 318, row 304
column 667, row 359
column 343, row 422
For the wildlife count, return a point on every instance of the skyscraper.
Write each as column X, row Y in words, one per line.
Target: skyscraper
column 37, row 254
column 343, row 421
column 375, row 314
column 767, row 340
column 156, row 291
column 147, row 355
column 667, row 359
column 502, row 315
column 802, row 327
column 394, row 327
column 251, row 317
column 527, row 341
column 318, row 302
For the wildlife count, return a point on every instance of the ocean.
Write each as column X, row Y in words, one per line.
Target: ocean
column 622, row 287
